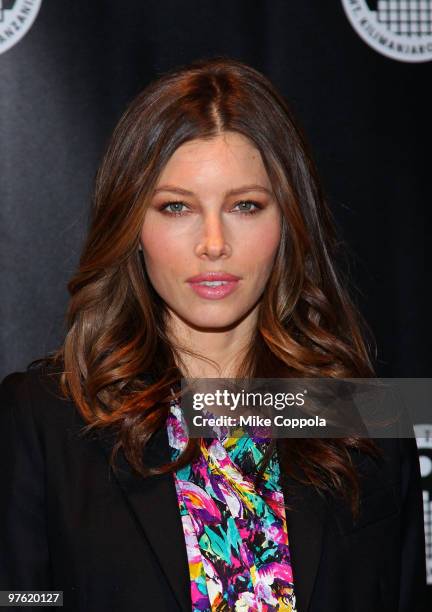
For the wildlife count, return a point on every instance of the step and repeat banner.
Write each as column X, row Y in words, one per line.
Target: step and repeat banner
column 356, row 73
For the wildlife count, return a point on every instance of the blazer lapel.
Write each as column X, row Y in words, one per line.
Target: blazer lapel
column 153, row 501
column 305, row 525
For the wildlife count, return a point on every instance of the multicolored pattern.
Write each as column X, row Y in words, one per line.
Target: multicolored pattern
column 236, row 535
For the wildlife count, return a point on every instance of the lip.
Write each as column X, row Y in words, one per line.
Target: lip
column 230, row 281
column 213, row 276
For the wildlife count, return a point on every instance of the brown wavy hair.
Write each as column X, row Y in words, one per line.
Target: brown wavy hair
column 307, row 325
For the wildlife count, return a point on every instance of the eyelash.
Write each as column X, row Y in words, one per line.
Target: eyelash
column 182, row 213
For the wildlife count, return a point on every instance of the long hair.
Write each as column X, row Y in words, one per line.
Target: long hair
column 308, row 326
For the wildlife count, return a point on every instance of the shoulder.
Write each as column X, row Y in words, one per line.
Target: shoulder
column 34, row 395
column 396, row 469
column 399, row 456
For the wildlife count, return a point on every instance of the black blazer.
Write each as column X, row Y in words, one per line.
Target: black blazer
column 115, row 543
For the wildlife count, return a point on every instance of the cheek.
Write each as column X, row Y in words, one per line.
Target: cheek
column 159, row 256
column 161, row 251
column 167, row 259
column 259, row 245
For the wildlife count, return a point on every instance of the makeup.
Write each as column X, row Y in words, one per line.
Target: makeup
column 214, row 285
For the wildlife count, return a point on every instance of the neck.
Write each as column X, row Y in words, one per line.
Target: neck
column 223, row 346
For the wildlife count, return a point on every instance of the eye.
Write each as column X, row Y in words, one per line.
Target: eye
column 175, row 210
column 245, row 207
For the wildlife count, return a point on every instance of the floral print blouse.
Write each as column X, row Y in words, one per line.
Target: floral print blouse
column 236, row 534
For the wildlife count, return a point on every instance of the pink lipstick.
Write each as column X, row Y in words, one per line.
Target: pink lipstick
column 214, row 285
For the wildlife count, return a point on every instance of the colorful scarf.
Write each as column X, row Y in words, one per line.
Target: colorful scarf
column 236, row 534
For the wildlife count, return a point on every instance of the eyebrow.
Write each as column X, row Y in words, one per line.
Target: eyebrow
column 237, row 191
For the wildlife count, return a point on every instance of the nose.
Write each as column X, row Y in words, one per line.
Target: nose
column 213, row 240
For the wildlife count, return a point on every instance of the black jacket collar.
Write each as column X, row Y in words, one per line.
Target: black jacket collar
column 153, row 502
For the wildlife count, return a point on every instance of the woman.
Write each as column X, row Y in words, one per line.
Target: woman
column 210, row 253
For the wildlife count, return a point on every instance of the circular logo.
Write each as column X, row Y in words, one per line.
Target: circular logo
column 16, row 19
column 399, row 29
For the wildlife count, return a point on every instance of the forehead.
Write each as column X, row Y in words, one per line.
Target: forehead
column 230, row 156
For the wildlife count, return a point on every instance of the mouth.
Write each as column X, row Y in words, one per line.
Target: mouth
column 214, row 286
column 212, row 283
column 213, row 277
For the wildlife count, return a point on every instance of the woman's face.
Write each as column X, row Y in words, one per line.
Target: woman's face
column 212, row 213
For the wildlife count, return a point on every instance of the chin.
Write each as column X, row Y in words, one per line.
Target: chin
column 212, row 322
column 213, row 325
